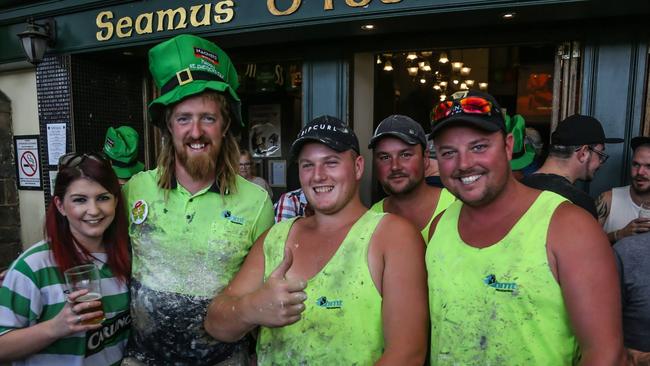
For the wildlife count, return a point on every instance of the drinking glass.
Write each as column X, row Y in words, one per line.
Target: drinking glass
column 644, row 211
column 85, row 277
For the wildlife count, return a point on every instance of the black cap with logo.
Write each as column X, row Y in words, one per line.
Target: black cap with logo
column 329, row 131
column 402, row 127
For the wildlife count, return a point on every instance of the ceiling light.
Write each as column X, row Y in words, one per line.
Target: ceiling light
column 423, row 81
column 509, row 15
column 469, row 83
column 378, row 60
column 442, row 97
column 483, row 86
column 388, row 66
column 443, row 58
column 437, row 87
column 411, row 56
column 456, row 66
column 368, row 27
column 465, row 70
column 427, row 66
column 455, row 81
column 463, row 86
column 443, row 84
column 412, row 70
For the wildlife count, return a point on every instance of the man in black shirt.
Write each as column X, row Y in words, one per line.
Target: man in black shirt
column 577, row 151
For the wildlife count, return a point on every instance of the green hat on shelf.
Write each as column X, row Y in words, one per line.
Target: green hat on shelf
column 121, row 146
column 186, row 65
column 523, row 154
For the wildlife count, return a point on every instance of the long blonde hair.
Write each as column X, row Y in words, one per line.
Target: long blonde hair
column 227, row 164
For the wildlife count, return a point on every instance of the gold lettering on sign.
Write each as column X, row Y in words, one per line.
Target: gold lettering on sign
column 102, row 24
column 223, row 11
column 356, row 4
column 123, row 27
column 170, row 14
column 328, row 5
column 295, row 4
column 206, row 15
column 391, row 1
column 148, row 29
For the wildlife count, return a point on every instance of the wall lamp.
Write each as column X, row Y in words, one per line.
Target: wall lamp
column 37, row 38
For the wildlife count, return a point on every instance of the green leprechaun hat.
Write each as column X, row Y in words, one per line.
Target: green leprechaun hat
column 522, row 153
column 121, row 146
column 186, row 65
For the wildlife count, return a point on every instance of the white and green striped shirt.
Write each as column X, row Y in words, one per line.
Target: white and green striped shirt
column 33, row 292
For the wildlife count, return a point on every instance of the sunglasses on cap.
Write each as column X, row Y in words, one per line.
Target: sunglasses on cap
column 74, row 159
column 469, row 105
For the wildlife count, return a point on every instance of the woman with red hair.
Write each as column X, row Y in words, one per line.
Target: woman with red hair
column 40, row 322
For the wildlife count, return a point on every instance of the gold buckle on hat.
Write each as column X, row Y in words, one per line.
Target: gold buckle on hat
column 184, row 76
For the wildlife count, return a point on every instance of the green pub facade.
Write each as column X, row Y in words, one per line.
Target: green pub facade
column 360, row 60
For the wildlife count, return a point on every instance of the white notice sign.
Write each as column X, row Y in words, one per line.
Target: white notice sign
column 55, row 142
column 29, row 172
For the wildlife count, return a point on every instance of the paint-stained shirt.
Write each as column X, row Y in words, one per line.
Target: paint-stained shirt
column 498, row 305
column 33, row 292
column 186, row 249
column 342, row 323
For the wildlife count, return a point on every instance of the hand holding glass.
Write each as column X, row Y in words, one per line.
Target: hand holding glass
column 85, row 277
column 644, row 211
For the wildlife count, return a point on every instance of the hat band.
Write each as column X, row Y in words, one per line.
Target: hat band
column 185, row 76
column 120, row 164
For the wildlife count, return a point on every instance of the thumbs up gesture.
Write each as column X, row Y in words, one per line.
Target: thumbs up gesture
column 280, row 301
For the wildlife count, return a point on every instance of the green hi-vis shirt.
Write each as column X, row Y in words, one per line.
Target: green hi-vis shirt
column 342, row 323
column 33, row 292
column 192, row 244
column 499, row 305
column 445, row 199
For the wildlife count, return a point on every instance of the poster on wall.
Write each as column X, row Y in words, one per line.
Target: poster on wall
column 278, row 173
column 56, row 140
column 265, row 130
column 28, row 169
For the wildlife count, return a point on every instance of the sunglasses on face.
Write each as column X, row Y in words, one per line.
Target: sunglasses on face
column 470, row 105
column 74, row 159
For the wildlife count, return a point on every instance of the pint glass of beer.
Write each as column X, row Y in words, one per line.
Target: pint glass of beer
column 85, row 277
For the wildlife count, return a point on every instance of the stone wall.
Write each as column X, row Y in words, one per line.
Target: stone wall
column 9, row 211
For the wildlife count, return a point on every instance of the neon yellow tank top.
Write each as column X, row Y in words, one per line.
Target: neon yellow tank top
column 342, row 323
column 445, row 199
column 498, row 305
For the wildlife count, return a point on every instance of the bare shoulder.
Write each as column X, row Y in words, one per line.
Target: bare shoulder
column 573, row 227
column 393, row 228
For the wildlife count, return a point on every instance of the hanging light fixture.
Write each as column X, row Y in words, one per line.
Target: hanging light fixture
column 483, row 86
column 443, row 97
column 411, row 56
column 412, row 70
column 443, row 58
column 443, row 84
column 455, row 81
column 423, row 80
column 469, row 82
column 456, row 66
column 426, row 66
column 463, row 86
column 36, row 39
column 465, row 70
column 437, row 87
column 378, row 60
column 388, row 66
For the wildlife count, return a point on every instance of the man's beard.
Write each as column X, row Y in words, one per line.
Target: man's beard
column 638, row 190
column 410, row 186
column 198, row 166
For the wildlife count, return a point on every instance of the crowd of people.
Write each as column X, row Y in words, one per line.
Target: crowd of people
column 479, row 255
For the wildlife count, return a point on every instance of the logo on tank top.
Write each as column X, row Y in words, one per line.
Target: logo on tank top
column 491, row 280
column 329, row 304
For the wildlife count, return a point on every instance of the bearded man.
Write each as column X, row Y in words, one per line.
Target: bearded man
column 193, row 219
column 620, row 209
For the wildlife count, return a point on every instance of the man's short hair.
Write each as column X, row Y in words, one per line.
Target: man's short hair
column 565, row 151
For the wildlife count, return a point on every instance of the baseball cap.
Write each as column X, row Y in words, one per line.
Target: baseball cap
column 121, row 146
column 186, row 65
column 638, row 141
column 577, row 130
column 472, row 107
column 522, row 153
column 329, row 131
column 402, row 127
